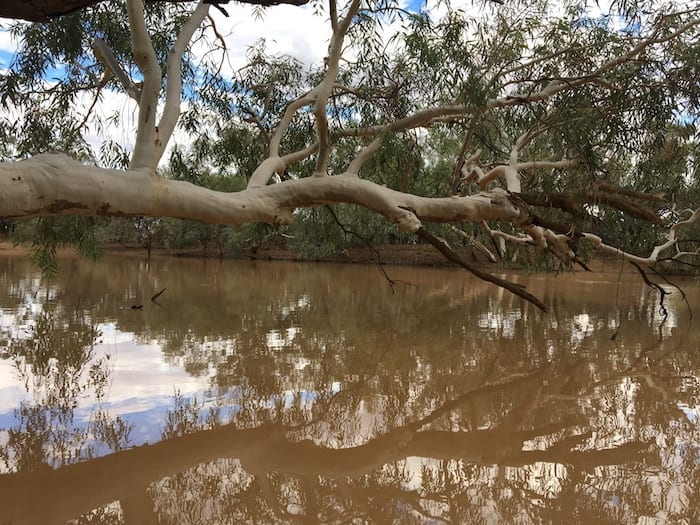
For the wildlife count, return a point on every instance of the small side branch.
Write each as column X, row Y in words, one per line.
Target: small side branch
column 363, row 156
column 104, row 54
column 378, row 257
column 274, row 164
column 662, row 292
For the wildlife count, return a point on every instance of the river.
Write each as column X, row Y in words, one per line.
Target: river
column 276, row 392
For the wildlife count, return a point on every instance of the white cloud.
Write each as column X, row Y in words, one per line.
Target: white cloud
column 290, row 30
column 8, row 43
column 116, row 111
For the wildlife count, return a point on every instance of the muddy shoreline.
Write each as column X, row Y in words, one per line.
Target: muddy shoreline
column 411, row 255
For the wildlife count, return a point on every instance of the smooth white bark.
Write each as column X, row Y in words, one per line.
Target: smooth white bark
column 144, row 155
column 173, row 94
column 52, row 184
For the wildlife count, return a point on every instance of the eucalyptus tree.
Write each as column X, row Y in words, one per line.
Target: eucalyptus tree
column 542, row 123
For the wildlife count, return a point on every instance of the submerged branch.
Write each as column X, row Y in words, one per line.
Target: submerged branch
column 441, row 246
column 662, row 293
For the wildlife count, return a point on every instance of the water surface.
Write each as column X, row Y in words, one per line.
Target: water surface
column 264, row 392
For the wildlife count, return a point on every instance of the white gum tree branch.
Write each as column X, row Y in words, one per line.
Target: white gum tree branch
column 274, row 163
column 144, row 155
column 471, row 171
column 544, row 238
column 104, row 54
column 672, row 241
column 54, row 184
column 419, row 119
column 289, row 112
column 511, row 171
column 325, row 88
column 152, row 138
column 173, row 93
column 318, row 96
column 508, row 171
column 363, row 156
column 277, row 164
column 475, row 242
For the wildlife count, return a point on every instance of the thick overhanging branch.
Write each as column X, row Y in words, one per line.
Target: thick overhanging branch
column 43, row 10
column 441, row 246
column 574, row 203
column 54, row 184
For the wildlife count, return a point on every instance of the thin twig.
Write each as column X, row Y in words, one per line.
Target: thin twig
column 379, row 263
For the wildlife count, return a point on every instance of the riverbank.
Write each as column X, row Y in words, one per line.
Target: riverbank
column 412, row 255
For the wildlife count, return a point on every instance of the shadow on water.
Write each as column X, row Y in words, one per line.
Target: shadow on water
column 312, row 393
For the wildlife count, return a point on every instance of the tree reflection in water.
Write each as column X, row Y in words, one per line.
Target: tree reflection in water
column 332, row 400
column 55, row 364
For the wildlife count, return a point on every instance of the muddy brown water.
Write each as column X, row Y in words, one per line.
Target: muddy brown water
column 272, row 392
